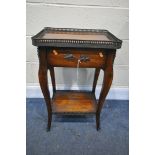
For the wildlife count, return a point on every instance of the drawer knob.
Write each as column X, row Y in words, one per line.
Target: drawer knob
column 55, row 52
column 101, row 54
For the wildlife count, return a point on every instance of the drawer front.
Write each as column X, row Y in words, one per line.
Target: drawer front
column 76, row 58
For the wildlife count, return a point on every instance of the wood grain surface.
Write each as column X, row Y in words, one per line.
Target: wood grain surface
column 73, row 102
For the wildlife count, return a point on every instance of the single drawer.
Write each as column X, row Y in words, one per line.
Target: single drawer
column 76, row 58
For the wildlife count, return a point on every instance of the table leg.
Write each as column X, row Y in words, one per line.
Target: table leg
column 52, row 78
column 107, row 81
column 97, row 72
column 43, row 80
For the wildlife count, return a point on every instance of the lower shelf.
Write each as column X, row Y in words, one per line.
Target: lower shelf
column 73, row 102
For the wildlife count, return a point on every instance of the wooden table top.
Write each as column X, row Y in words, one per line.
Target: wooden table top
column 81, row 38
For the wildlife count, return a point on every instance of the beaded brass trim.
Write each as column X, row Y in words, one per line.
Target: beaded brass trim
column 114, row 42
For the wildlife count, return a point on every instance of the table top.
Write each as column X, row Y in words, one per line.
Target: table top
column 81, row 38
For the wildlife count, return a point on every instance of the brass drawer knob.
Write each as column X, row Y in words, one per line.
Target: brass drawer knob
column 55, row 52
column 101, row 54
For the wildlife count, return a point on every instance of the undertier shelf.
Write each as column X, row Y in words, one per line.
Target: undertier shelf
column 74, row 102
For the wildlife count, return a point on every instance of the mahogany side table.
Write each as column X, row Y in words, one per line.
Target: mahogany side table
column 67, row 47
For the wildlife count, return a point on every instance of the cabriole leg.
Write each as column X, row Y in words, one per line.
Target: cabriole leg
column 43, row 80
column 52, row 78
column 107, row 81
column 97, row 72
